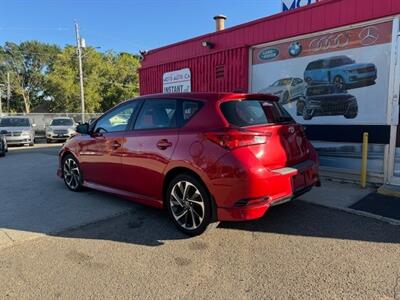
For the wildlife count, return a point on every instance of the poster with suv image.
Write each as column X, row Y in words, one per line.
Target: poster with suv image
column 331, row 78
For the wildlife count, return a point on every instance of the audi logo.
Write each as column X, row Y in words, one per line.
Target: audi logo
column 329, row 42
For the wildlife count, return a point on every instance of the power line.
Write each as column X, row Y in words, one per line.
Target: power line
column 36, row 28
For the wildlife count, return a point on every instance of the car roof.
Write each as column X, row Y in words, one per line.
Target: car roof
column 14, row 117
column 321, row 85
column 62, row 118
column 208, row 97
column 336, row 57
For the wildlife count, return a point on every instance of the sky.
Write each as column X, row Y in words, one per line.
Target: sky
column 123, row 25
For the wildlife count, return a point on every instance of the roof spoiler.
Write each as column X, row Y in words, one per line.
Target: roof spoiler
column 267, row 97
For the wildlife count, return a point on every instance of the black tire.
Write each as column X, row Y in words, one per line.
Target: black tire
column 351, row 114
column 31, row 144
column 339, row 82
column 299, row 108
column 72, row 176
column 306, row 115
column 48, row 141
column 285, row 98
column 193, row 210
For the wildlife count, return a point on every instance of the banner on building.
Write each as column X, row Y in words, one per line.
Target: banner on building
column 337, row 78
column 178, row 81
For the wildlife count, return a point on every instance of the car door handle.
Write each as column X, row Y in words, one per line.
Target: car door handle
column 115, row 145
column 163, row 144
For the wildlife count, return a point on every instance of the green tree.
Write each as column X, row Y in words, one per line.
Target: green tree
column 28, row 64
column 120, row 80
column 109, row 78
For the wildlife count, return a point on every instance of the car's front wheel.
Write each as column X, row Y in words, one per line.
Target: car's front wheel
column 72, row 174
column 306, row 114
column 339, row 82
column 189, row 204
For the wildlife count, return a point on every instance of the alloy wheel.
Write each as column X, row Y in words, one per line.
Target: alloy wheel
column 187, row 205
column 339, row 82
column 72, row 175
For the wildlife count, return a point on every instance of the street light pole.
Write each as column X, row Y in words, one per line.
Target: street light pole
column 79, row 50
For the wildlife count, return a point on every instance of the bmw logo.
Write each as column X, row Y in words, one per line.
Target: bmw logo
column 295, row 49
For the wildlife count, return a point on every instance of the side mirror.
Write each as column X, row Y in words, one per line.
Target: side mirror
column 83, row 128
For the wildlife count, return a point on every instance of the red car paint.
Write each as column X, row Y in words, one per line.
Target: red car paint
column 243, row 180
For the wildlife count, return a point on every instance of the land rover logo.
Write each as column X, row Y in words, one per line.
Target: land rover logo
column 268, row 54
column 295, row 49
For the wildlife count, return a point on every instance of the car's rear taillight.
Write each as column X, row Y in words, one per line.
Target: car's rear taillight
column 231, row 139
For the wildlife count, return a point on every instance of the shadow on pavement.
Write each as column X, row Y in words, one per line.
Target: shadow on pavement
column 304, row 219
column 150, row 227
column 142, row 226
column 34, row 200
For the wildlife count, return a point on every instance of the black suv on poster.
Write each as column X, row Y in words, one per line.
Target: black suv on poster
column 326, row 100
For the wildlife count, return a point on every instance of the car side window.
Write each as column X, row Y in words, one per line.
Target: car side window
column 298, row 81
column 189, row 108
column 117, row 119
column 157, row 114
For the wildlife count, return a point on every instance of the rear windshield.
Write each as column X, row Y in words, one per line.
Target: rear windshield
column 14, row 122
column 62, row 122
column 253, row 112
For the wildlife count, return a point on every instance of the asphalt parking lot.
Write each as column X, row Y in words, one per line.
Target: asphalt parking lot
column 94, row 245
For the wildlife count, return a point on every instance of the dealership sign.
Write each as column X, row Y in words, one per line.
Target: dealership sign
column 177, row 81
column 330, row 78
column 293, row 4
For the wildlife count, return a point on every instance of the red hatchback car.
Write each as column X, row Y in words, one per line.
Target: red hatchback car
column 205, row 157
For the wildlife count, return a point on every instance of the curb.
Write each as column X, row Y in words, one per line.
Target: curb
column 358, row 213
column 389, row 190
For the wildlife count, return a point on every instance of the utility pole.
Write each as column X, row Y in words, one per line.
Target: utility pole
column 8, row 92
column 79, row 50
column 1, row 106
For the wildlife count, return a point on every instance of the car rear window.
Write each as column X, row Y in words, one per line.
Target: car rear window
column 14, row 122
column 253, row 112
column 62, row 122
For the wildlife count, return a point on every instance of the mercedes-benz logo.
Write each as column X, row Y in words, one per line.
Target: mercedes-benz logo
column 369, row 35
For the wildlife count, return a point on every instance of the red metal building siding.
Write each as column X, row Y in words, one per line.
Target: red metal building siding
column 318, row 17
column 232, row 72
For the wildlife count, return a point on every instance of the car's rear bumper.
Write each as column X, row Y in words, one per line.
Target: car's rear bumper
column 293, row 182
column 58, row 137
column 19, row 140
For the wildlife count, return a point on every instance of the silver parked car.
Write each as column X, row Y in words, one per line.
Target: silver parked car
column 18, row 130
column 287, row 89
column 3, row 145
column 60, row 129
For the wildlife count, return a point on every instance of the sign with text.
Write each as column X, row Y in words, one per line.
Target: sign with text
column 293, row 4
column 178, row 81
